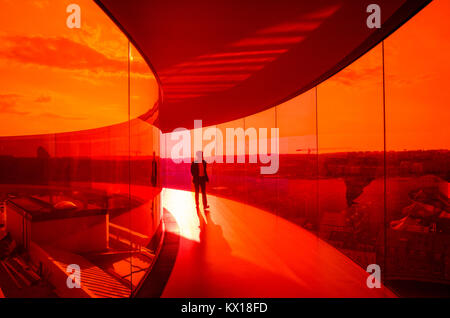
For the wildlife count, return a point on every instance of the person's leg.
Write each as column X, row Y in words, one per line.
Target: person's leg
column 203, row 186
column 196, row 186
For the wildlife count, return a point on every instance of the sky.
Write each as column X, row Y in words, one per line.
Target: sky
column 56, row 79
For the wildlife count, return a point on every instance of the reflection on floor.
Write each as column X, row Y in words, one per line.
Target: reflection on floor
column 238, row 250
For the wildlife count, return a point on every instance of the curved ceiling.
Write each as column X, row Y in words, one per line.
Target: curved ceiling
column 225, row 59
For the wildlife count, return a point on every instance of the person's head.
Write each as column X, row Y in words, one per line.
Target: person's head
column 199, row 156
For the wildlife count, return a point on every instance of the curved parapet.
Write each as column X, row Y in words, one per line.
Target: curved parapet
column 78, row 164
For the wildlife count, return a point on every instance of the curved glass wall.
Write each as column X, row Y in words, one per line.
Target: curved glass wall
column 361, row 160
column 417, row 148
column 79, row 172
column 364, row 169
column 350, row 138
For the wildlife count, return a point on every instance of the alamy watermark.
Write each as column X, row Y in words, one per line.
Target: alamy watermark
column 374, row 19
column 74, row 278
column 374, row 279
column 73, row 21
column 235, row 138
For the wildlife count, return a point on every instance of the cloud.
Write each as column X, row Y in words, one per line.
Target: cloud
column 8, row 104
column 62, row 53
column 43, row 99
column 351, row 76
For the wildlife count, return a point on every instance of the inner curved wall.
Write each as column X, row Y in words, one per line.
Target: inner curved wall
column 73, row 144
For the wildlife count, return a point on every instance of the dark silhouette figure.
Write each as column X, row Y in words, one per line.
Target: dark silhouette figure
column 199, row 178
column 213, row 233
column 154, row 171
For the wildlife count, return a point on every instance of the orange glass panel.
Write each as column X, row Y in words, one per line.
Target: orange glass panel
column 143, row 220
column 418, row 142
column 350, row 137
column 72, row 159
column 296, row 120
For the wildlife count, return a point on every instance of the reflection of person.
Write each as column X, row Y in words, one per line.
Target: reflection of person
column 154, row 171
column 199, row 178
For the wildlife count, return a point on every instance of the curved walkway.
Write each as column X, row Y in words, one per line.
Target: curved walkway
column 236, row 250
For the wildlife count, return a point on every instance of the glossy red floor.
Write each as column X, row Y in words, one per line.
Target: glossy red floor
column 238, row 250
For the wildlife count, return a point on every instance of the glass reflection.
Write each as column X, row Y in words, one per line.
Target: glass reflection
column 79, row 172
column 418, row 246
column 351, row 186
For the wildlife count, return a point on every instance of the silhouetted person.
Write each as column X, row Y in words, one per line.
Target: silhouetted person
column 199, row 178
column 154, row 171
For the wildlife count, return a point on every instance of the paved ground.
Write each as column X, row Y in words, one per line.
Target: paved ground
column 238, row 250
